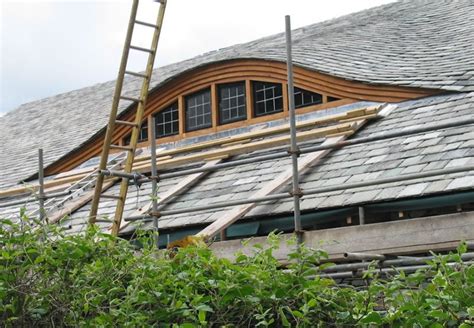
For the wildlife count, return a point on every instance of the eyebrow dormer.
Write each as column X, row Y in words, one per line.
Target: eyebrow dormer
column 228, row 95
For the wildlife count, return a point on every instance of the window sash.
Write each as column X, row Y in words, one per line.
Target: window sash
column 305, row 98
column 232, row 102
column 167, row 122
column 198, row 114
column 268, row 98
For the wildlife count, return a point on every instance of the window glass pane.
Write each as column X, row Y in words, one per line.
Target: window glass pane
column 143, row 136
column 332, row 98
column 232, row 106
column 268, row 98
column 305, row 98
column 166, row 121
column 198, row 110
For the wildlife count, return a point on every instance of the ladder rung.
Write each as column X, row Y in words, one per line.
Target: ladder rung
column 141, row 49
column 110, row 196
column 125, row 123
column 137, row 74
column 121, row 147
column 147, row 24
column 130, row 99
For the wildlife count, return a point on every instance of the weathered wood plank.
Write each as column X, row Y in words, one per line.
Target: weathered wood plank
column 78, row 203
column 282, row 179
column 347, row 129
column 142, row 162
column 437, row 233
column 269, row 131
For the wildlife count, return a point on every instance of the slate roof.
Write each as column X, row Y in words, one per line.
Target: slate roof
column 440, row 149
column 427, row 151
column 407, row 43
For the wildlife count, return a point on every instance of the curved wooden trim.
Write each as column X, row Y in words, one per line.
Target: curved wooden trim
column 242, row 70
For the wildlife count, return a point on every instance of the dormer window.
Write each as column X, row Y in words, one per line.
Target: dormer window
column 268, row 98
column 167, row 121
column 232, row 105
column 305, row 98
column 198, row 110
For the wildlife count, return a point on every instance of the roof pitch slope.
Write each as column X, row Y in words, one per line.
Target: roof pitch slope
column 386, row 158
column 435, row 150
column 410, row 43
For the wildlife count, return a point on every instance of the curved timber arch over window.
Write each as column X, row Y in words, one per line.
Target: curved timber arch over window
column 231, row 94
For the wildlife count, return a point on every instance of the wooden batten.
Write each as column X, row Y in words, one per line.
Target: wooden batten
column 229, row 146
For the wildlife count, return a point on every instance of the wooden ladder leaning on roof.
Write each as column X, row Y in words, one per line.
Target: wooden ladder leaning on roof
column 140, row 107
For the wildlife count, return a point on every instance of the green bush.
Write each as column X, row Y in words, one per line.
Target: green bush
column 96, row 280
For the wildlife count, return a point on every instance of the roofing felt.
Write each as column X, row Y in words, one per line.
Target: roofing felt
column 407, row 43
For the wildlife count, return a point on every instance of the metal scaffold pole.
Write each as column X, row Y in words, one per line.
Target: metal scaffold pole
column 313, row 191
column 305, row 150
column 41, row 184
column 294, row 150
column 154, row 182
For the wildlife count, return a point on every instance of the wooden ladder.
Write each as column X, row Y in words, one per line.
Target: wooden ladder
column 140, row 107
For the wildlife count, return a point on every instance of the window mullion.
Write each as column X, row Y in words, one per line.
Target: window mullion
column 214, row 105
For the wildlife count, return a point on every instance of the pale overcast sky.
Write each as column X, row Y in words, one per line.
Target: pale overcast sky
column 50, row 47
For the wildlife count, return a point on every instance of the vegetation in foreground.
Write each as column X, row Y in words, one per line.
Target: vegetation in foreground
column 96, row 280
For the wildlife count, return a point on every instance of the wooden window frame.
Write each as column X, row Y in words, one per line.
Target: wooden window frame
column 212, row 74
column 211, row 109
column 249, row 100
column 160, row 111
column 218, row 102
column 283, row 98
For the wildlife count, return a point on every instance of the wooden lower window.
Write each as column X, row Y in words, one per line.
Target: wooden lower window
column 305, row 98
column 167, row 121
column 198, row 110
column 232, row 100
column 268, row 98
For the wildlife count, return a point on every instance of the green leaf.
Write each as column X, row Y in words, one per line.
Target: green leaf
column 284, row 320
column 312, row 303
column 188, row 325
column 436, row 325
column 434, row 303
column 297, row 314
column 202, row 316
column 343, row 315
column 462, row 248
column 372, row 317
column 204, row 307
column 470, row 311
column 439, row 314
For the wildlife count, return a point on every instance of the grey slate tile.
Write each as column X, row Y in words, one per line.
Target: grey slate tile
column 412, row 190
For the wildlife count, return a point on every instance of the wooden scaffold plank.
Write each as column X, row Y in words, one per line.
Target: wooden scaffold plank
column 281, row 180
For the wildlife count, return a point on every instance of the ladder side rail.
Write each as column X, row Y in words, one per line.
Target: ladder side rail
column 111, row 125
column 138, row 118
